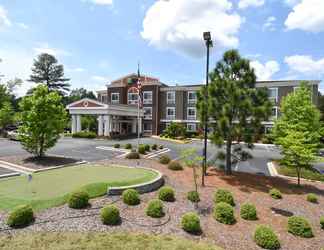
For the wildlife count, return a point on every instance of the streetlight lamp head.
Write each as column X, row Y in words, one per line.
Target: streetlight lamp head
column 207, row 36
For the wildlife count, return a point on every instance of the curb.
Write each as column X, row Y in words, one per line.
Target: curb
column 171, row 140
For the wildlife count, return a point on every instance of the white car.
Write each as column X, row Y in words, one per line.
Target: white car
column 13, row 135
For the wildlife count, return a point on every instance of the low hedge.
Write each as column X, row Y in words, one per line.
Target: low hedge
column 175, row 166
column 131, row 197
column 193, row 196
column 133, row 155
column 84, row 134
column 299, row 226
column 266, row 238
column 155, row 209
column 166, row 194
column 223, row 195
column 161, row 147
column 141, row 149
column 117, row 145
column 275, row 193
column 224, row 213
column 154, row 147
column 190, row 222
column 322, row 222
column 21, row 216
column 147, row 147
column 78, row 200
column 110, row 215
column 248, row 212
column 164, row 159
column 312, row 198
column 128, row 146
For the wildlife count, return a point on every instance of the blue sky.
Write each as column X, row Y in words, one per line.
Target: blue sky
column 101, row 40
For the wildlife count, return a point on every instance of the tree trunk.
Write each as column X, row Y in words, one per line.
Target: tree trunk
column 228, row 167
column 202, row 175
column 298, row 175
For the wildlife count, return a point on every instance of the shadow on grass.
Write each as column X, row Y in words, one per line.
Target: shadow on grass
column 49, row 161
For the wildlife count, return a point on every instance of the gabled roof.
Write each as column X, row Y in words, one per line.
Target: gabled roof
column 87, row 103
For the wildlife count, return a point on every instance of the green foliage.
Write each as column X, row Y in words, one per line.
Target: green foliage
column 161, row 146
column 175, row 165
column 193, row 196
column 43, row 120
column 154, row 147
column 190, row 222
column 128, row 146
column 141, row 149
column 164, row 159
column 131, row 197
column 6, row 115
column 147, row 147
column 236, row 107
column 299, row 226
column 89, row 123
column 84, row 134
column 307, row 173
column 322, row 222
column 166, row 194
column 78, row 94
column 266, row 238
column 21, row 216
column 133, row 156
column 275, row 193
column 224, row 213
column 155, row 209
column 78, row 200
column 222, row 195
column 110, row 215
column 117, row 145
column 174, row 130
column 312, row 198
column 248, row 212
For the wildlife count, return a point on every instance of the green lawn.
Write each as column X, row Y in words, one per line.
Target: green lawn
column 99, row 241
column 309, row 173
column 51, row 188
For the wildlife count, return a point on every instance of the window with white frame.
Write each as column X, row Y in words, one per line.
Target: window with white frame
column 147, row 97
column 170, row 97
column 114, row 98
column 273, row 94
column 170, row 113
column 147, row 113
column 191, row 113
column 274, row 112
column 192, row 97
column 147, row 127
column 191, row 127
column 132, row 96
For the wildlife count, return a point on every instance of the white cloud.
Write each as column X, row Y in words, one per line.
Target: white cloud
column 306, row 65
column 307, row 15
column 45, row 48
column 23, row 26
column 4, row 20
column 265, row 71
column 100, row 2
column 100, row 78
column 179, row 25
column 269, row 24
column 243, row 4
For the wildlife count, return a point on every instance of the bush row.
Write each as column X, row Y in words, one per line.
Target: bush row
column 85, row 134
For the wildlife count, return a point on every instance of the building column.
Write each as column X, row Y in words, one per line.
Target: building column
column 73, row 124
column 100, row 125
column 134, row 126
column 140, row 125
column 107, row 130
column 78, row 123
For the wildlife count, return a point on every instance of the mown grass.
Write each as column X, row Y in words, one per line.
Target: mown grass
column 99, row 241
column 52, row 188
column 306, row 173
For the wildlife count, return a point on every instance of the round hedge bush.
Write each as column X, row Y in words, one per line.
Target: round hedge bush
column 224, row 213
column 166, row 194
column 164, row 159
column 131, row 197
column 312, row 198
column 175, row 165
column 21, row 216
column 190, row 222
column 275, row 193
column 128, row 146
column 141, row 149
column 322, row 222
column 248, row 212
column 133, row 155
column 266, row 238
column 110, row 215
column 299, row 226
column 193, row 196
column 161, row 147
column 117, row 145
column 222, row 195
column 78, row 200
column 154, row 147
column 155, row 209
column 147, row 147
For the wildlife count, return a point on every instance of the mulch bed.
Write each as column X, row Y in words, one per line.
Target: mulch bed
column 245, row 187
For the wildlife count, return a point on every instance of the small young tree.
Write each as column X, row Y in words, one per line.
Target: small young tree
column 6, row 115
column 43, row 119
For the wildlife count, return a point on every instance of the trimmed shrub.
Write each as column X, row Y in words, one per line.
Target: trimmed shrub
column 133, row 155
column 275, row 193
column 164, row 159
column 84, row 134
column 312, row 198
column 166, row 194
column 322, row 222
column 141, row 149
column 161, row 147
column 110, row 215
column 131, row 197
column 299, row 226
column 175, row 166
column 193, row 196
column 224, row 213
column 266, row 238
column 128, row 146
column 248, row 212
column 190, row 222
column 154, row 147
column 117, row 145
column 223, row 195
column 78, row 200
column 155, row 209
column 147, row 147
column 21, row 216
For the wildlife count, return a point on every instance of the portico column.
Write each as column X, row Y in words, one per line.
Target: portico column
column 78, row 123
column 73, row 124
column 140, row 125
column 107, row 119
column 100, row 125
column 134, row 126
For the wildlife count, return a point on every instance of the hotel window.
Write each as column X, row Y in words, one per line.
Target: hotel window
column 191, row 113
column 273, row 94
column 147, row 97
column 147, row 127
column 171, row 97
column 192, row 97
column 114, row 98
column 191, row 127
column 132, row 96
column 170, row 113
column 147, row 113
column 274, row 113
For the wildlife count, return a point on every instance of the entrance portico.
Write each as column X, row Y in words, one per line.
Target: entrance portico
column 113, row 119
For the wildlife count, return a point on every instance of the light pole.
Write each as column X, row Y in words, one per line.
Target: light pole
column 209, row 43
